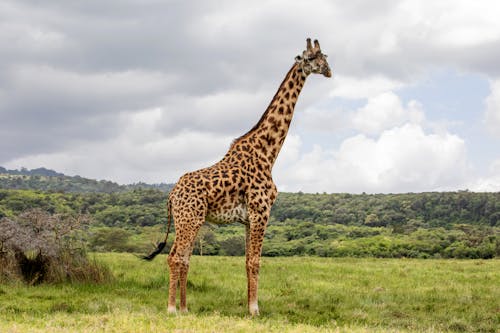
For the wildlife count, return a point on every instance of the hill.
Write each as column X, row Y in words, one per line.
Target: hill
column 43, row 179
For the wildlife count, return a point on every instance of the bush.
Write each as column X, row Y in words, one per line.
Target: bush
column 110, row 240
column 233, row 246
column 39, row 247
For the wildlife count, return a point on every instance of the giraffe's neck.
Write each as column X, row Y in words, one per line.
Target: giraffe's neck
column 266, row 138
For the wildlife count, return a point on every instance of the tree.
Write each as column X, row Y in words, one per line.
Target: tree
column 233, row 246
column 110, row 239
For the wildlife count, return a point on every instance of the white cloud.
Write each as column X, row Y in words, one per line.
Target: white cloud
column 382, row 111
column 148, row 154
column 492, row 115
column 290, row 151
column 385, row 111
column 489, row 182
column 229, row 111
column 365, row 87
column 323, row 119
column 402, row 159
column 466, row 24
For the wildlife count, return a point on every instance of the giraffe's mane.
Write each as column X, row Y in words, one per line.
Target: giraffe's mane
column 263, row 117
column 261, row 120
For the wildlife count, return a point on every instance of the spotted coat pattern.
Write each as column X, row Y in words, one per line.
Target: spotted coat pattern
column 238, row 188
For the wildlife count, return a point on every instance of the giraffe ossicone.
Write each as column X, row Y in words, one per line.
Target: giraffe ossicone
column 238, row 188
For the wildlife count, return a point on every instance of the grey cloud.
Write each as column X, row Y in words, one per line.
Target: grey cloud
column 69, row 69
column 46, row 109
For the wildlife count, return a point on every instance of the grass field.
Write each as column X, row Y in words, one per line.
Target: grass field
column 298, row 294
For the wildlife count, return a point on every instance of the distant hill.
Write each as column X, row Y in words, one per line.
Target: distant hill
column 32, row 172
column 43, row 179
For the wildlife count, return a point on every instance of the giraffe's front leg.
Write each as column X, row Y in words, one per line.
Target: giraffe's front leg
column 255, row 236
column 247, row 254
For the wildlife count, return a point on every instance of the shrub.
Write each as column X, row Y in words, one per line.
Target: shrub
column 39, row 247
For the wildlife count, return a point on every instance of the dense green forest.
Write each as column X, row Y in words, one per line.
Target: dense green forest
column 425, row 225
column 129, row 218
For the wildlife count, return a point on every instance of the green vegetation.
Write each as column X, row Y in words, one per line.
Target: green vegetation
column 425, row 225
column 296, row 295
column 301, row 293
column 37, row 247
column 398, row 211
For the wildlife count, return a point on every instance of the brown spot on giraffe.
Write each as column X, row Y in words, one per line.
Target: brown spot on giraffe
column 238, row 188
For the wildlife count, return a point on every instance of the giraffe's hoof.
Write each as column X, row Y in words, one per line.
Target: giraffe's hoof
column 254, row 309
column 171, row 310
column 254, row 313
column 185, row 310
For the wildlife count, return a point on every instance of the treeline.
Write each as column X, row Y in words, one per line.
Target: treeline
column 308, row 239
column 140, row 207
column 43, row 179
column 425, row 225
column 32, row 172
column 399, row 212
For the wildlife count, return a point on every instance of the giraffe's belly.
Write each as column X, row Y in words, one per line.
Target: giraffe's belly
column 226, row 215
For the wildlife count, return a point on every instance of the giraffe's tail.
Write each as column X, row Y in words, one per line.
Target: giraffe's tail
column 161, row 245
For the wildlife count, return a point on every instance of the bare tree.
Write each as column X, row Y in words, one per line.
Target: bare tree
column 42, row 247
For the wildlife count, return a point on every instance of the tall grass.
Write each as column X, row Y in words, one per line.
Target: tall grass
column 297, row 294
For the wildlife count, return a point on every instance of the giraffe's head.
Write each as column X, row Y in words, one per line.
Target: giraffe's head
column 313, row 61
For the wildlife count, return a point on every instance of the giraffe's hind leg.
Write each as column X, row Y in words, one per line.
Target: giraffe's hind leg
column 187, row 226
column 183, row 285
column 174, row 279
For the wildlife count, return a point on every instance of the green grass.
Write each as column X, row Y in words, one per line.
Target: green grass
column 297, row 294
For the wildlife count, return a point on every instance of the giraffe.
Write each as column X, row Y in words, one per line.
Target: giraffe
column 238, row 188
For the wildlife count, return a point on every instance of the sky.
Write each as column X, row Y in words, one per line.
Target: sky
column 145, row 91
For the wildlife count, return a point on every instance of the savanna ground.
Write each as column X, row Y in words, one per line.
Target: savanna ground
column 297, row 294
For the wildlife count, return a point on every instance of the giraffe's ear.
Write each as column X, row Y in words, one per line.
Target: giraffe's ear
column 316, row 45
column 308, row 44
